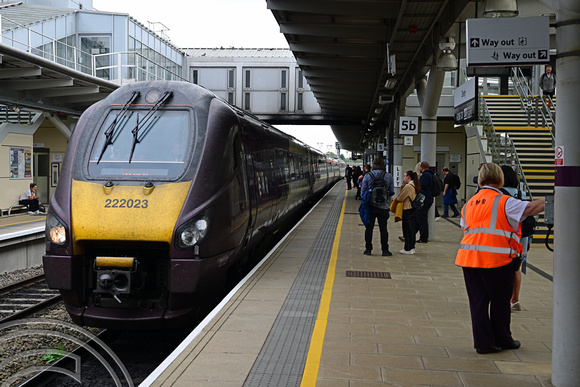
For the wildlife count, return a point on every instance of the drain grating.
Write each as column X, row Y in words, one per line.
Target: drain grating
column 368, row 274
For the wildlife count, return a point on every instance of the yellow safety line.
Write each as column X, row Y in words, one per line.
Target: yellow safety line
column 317, row 340
column 16, row 224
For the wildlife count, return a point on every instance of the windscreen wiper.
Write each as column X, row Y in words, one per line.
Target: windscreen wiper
column 145, row 119
column 111, row 129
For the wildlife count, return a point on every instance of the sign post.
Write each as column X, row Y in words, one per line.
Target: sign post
column 408, row 126
column 508, row 41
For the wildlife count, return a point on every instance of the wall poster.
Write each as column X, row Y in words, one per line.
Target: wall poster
column 20, row 163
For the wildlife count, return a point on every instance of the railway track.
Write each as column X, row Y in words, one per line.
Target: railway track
column 25, row 298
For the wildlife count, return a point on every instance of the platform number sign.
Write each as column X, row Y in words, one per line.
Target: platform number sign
column 409, row 126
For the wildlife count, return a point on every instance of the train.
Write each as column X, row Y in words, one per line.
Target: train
column 165, row 192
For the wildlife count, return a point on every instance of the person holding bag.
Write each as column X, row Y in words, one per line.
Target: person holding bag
column 411, row 187
column 489, row 254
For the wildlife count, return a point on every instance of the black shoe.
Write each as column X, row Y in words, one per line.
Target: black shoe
column 515, row 344
column 387, row 253
column 420, row 241
column 367, row 252
column 445, row 216
column 484, row 351
column 455, row 215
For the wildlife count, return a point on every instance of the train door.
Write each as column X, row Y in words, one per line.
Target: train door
column 41, row 173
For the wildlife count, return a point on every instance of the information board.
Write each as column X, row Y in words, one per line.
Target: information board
column 508, row 41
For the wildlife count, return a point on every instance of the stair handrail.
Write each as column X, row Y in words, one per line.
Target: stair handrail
column 530, row 102
column 546, row 113
column 523, row 89
column 503, row 150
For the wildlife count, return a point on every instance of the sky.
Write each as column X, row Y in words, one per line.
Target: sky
column 219, row 23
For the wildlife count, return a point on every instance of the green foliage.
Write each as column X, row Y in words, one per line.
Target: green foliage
column 53, row 355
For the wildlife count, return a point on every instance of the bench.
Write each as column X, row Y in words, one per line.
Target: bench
column 17, row 206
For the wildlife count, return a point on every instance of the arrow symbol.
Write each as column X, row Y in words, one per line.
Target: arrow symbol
column 474, row 42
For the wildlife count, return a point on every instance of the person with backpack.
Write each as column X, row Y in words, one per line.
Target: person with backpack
column 426, row 181
column 450, row 193
column 380, row 187
column 409, row 191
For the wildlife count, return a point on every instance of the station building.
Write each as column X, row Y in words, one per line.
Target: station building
column 113, row 47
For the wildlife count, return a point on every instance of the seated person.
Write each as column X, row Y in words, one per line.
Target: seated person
column 30, row 199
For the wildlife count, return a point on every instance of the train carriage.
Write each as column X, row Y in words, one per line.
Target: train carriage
column 166, row 189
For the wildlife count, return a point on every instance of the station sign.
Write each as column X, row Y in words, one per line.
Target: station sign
column 408, row 126
column 398, row 175
column 465, row 102
column 508, row 41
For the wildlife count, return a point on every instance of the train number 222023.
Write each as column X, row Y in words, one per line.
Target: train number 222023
column 126, row 203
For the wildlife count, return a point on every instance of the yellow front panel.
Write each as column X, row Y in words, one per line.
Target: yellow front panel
column 125, row 213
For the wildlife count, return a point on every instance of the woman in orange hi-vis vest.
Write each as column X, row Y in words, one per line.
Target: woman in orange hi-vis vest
column 491, row 240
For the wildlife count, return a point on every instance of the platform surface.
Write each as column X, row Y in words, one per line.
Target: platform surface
column 299, row 320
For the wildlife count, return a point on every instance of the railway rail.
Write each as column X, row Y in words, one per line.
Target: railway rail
column 24, row 298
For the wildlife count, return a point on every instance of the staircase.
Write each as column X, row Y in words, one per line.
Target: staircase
column 534, row 146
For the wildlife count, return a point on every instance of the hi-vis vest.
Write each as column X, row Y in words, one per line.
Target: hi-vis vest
column 488, row 240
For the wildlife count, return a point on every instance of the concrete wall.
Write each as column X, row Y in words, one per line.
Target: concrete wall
column 21, row 252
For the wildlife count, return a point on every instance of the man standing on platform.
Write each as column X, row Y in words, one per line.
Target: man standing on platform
column 422, row 214
column 449, row 193
column 348, row 175
column 379, row 185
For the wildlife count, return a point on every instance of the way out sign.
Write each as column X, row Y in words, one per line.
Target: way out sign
column 409, row 126
column 508, row 41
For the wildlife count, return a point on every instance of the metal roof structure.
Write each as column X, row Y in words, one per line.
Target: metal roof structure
column 36, row 83
column 17, row 14
column 341, row 45
column 234, row 52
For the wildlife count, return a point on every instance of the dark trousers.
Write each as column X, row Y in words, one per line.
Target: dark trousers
column 33, row 204
column 348, row 184
column 422, row 222
column 446, row 209
column 409, row 228
column 382, row 216
column 490, row 292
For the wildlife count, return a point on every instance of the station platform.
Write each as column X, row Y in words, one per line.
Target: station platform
column 299, row 319
column 21, row 224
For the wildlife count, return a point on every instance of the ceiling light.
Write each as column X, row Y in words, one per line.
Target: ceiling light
column 378, row 110
column 447, row 60
column 374, row 118
column 390, row 83
column 501, row 8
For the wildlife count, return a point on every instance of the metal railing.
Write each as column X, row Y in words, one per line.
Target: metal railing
column 533, row 104
column 501, row 147
column 121, row 67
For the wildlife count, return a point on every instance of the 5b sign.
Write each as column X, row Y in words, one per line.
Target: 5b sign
column 409, row 126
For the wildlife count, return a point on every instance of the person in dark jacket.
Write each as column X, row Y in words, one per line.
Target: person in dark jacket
column 348, row 176
column 449, row 193
column 422, row 215
column 548, row 85
column 379, row 212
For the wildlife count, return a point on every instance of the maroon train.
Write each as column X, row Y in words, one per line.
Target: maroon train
column 167, row 189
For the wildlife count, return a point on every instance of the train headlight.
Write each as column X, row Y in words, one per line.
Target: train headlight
column 56, row 230
column 191, row 233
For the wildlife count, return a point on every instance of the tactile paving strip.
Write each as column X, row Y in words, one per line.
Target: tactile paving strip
column 282, row 359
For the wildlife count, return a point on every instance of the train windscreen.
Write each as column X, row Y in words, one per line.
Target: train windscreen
column 132, row 145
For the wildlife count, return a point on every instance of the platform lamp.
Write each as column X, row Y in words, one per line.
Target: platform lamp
column 501, row 8
column 447, row 60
